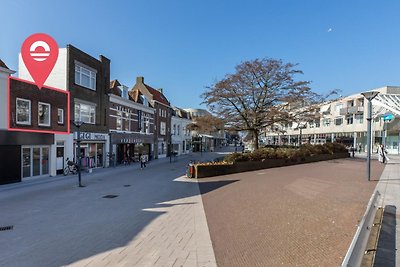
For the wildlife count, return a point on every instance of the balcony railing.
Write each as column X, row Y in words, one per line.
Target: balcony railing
column 351, row 110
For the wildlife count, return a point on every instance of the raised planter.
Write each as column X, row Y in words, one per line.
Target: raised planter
column 202, row 171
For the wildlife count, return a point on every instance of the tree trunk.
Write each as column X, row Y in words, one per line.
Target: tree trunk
column 255, row 139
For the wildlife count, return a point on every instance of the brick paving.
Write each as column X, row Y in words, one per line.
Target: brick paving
column 303, row 215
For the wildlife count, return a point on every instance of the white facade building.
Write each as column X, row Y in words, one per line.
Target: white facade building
column 180, row 134
column 345, row 120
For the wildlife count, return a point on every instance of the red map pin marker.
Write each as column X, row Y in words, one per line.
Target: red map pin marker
column 39, row 53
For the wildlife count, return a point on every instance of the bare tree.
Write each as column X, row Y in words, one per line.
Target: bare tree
column 206, row 124
column 261, row 93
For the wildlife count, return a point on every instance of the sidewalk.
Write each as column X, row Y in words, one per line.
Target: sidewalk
column 195, row 156
column 389, row 188
column 156, row 218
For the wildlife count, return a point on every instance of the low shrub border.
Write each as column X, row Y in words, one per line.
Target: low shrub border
column 269, row 157
column 203, row 170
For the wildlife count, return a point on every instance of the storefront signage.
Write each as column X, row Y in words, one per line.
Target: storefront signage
column 131, row 141
column 92, row 136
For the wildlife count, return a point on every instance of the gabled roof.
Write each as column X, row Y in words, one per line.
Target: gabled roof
column 3, row 65
column 157, row 95
column 114, row 87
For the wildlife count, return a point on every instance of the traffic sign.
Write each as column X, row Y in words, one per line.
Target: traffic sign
column 388, row 117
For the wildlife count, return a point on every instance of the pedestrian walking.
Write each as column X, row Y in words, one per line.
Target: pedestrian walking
column 359, row 148
column 382, row 154
column 142, row 161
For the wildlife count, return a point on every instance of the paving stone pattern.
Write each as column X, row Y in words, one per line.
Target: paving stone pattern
column 303, row 215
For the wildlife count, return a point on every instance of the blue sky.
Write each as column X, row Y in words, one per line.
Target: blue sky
column 183, row 46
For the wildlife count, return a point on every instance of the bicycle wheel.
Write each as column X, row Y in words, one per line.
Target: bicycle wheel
column 66, row 171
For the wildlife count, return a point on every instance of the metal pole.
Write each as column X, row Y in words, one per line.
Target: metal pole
column 79, row 157
column 170, row 148
column 384, row 132
column 369, row 128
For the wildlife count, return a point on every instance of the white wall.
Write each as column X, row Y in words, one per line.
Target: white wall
column 57, row 77
column 4, row 74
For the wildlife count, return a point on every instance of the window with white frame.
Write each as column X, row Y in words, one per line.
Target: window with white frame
column 147, row 125
column 162, row 128
column 85, row 76
column 119, row 124
column 359, row 118
column 338, row 121
column 23, row 111
column 44, row 110
column 60, row 115
column 338, row 107
column 349, row 119
column 85, row 113
column 326, row 122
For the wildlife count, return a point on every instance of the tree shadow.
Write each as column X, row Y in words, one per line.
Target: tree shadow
column 71, row 224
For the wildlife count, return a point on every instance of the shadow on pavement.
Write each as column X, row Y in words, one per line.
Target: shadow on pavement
column 206, row 187
column 386, row 250
column 61, row 224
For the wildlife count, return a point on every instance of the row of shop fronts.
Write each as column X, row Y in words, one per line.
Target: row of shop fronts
column 42, row 154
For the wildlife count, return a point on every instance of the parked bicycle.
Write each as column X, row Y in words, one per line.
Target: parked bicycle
column 71, row 167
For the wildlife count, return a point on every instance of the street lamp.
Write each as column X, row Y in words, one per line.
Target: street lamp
column 78, row 125
column 369, row 96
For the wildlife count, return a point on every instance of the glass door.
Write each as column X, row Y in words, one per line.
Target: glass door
column 45, row 160
column 26, row 162
column 36, row 161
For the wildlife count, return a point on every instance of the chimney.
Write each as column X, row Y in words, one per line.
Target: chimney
column 160, row 90
column 140, row 79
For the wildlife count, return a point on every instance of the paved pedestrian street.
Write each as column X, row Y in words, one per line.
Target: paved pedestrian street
column 153, row 221
column 302, row 215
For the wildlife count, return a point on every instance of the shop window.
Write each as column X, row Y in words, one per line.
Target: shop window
column 44, row 114
column 23, row 111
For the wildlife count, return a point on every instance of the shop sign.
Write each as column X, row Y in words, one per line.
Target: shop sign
column 131, row 140
column 91, row 136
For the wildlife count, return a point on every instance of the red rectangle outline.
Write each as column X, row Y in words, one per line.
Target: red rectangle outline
column 37, row 131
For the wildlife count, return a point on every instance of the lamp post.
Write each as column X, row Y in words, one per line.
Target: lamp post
column 170, row 148
column 369, row 96
column 78, row 125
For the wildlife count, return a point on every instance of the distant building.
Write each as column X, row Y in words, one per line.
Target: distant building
column 131, row 125
column 181, row 135
column 204, row 141
column 345, row 120
column 143, row 93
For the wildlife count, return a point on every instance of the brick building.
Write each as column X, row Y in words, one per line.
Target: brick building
column 131, row 125
column 162, row 116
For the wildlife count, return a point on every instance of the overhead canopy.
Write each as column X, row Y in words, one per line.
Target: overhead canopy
column 390, row 102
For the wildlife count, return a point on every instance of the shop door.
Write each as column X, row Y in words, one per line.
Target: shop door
column 26, row 162
column 35, row 161
column 60, row 159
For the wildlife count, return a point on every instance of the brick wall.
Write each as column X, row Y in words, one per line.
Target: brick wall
column 29, row 91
